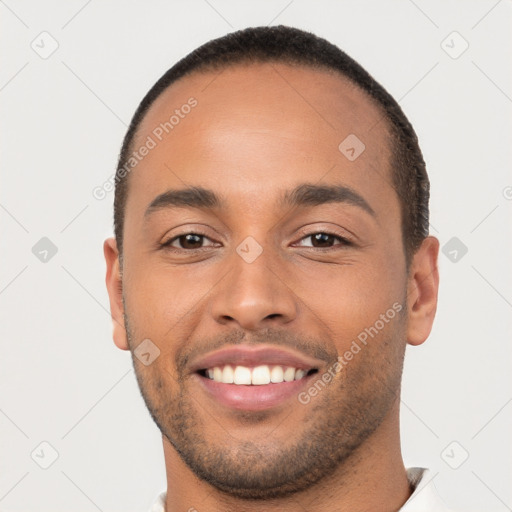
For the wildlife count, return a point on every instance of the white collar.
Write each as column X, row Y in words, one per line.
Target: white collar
column 424, row 498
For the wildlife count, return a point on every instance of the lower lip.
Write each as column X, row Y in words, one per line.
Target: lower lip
column 252, row 398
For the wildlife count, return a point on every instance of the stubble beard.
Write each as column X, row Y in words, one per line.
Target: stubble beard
column 338, row 421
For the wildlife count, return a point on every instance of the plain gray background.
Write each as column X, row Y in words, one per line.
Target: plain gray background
column 64, row 382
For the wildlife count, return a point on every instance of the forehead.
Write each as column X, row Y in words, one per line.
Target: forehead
column 259, row 127
column 295, row 99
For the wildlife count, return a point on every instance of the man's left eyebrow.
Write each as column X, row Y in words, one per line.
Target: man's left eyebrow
column 314, row 195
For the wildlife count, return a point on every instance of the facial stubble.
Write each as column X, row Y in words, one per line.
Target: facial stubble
column 337, row 422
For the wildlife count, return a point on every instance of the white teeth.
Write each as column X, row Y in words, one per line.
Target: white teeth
column 242, row 375
column 277, row 374
column 227, row 375
column 260, row 375
column 299, row 374
column 257, row 376
column 217, row 374
column 289, row 374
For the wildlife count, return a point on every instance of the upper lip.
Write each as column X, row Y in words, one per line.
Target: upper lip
column 255, row 356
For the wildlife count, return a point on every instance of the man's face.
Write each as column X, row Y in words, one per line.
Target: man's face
column 260, row 273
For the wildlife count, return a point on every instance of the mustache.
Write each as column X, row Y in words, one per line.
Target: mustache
column 310, row 346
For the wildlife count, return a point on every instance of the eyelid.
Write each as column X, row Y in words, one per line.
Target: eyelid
column 344, row 234
column 185, row 233
column 345, row 241
column 190, row 228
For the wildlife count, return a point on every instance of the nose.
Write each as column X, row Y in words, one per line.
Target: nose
column 255, row 295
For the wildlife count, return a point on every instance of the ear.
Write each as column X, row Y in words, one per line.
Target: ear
column 423, row 285
column 115, row 292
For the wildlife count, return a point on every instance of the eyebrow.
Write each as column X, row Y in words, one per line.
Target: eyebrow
column 303, row 195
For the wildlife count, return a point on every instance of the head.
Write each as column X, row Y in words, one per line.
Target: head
column 281, row 200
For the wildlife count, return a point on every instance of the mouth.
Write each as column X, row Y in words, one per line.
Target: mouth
column 254, row 378
column 249, row 389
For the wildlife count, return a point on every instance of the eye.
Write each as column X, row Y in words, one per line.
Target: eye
column 194, row 241
column 324, row 240
column 186, row 241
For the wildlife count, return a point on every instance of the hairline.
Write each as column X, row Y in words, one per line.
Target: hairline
column 211, row 67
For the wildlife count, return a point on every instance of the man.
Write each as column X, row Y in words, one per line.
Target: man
column 271, row 261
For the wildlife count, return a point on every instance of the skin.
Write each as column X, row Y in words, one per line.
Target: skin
column 257, row 131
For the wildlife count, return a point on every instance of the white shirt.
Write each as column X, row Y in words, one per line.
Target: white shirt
column 423, row 499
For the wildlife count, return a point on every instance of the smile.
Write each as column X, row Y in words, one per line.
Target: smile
column 255, row 376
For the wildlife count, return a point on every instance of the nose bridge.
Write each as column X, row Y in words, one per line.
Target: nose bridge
column 253, row 290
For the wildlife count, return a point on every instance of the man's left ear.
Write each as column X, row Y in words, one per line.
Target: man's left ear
column 423, row 285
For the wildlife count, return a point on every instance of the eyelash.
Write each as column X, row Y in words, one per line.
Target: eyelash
column 344, row 241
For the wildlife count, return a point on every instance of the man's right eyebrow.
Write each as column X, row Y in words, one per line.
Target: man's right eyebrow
column 191, row 197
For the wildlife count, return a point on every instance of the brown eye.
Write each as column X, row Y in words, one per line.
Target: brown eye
column 325, row 240
column 322, row 239
column 187, row 241
column 191, row 241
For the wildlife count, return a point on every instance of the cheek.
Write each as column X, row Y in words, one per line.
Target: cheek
column 355, row 299
column 159, row 297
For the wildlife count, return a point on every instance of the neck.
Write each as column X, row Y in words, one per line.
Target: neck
column 373, row 478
